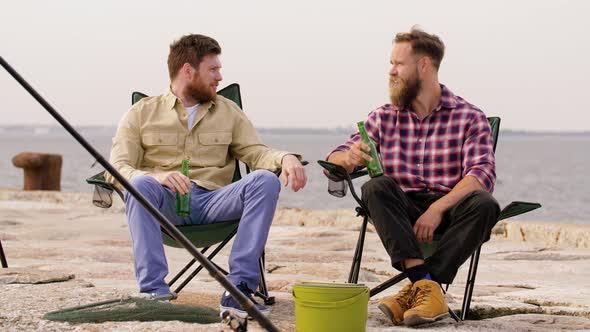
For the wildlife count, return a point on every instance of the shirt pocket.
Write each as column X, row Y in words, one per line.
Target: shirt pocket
column 213, row 148
column 160, row 149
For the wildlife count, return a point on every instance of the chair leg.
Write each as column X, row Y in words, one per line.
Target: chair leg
column 262, row 292
column 262, row 284
column 353, row 276
column 388, row 283
column 184, row 269
column 451, row 312
column 3, row 257
column 454, row 315
column 220, row 269
column 210, row 257
column 262, row 289
column 470, row 285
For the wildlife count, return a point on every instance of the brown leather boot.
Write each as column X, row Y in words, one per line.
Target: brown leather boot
column 428, row 304
column 395, row 306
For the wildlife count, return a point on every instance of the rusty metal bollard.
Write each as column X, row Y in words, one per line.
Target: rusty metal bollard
column 42, row 170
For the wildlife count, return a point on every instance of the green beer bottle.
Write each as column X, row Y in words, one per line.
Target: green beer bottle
column 183, row 202
column 373, row 166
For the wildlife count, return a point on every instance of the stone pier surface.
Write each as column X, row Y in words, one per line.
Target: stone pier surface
column 62, row 251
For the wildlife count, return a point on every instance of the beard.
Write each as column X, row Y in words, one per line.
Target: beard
column 201, row 92
column 402, row 92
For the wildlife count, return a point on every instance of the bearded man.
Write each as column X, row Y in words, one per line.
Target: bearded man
column 190, row 121
column 439, row 172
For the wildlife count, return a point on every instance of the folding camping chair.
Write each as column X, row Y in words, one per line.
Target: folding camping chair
column 339, row 179
column 201, row 236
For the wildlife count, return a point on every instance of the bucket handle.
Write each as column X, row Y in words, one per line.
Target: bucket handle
column 331, row 304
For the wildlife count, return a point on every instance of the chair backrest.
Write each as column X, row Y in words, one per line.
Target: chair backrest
column 137, row 96
column 231, row 92
column 495, row 124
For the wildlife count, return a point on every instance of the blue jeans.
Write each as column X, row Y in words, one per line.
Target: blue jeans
column 252, row 200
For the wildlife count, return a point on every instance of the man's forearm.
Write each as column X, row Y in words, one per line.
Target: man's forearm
column 466, row 186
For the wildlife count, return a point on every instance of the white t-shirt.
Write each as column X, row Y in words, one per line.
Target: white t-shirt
column 191, row 111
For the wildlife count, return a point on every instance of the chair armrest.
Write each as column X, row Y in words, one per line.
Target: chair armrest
column 339, row 173
column 99, row 180
column 334, row 172
column 103, row 190
column 517, row 208
column 339, row 180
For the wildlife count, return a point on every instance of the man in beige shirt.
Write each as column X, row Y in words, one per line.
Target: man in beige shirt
column 190, row 121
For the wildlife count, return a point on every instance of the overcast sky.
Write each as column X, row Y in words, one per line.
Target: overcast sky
column 300, row 63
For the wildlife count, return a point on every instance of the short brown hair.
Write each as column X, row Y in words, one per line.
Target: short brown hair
column 190, row 49
column 423, row 43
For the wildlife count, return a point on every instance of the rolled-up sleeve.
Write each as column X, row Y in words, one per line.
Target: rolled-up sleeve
column 478, row 152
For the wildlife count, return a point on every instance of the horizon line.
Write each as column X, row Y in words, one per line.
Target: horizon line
column 308, row 129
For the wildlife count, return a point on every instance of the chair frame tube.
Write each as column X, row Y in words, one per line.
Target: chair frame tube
column 470, row 285
column 3, row 257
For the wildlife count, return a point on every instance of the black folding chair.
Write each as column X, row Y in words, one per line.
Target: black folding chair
column 339, row 180
column 201, row 236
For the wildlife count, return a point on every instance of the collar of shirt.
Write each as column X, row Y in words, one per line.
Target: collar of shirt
column 448, row 101
column 171, row 101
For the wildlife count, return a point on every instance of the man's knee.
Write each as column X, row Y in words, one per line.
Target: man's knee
column 376, row 187
column 484, row 201
column 142, row 183
column 485, row 206
column 147, row 186
column 266, row 179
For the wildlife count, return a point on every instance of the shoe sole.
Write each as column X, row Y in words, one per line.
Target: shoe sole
column 414, row 320
column 162, row 298
column 385, row 309
column 239, row 313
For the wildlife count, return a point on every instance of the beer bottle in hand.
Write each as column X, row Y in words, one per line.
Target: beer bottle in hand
column 374, row 166
column 183, row 202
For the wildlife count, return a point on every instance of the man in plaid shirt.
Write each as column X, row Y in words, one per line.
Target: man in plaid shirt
column 439, row 171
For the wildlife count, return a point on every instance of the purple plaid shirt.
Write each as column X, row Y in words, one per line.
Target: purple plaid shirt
column 433, row 154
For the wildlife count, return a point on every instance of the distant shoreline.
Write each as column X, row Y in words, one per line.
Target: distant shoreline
column 40, row 130
column 546, row 233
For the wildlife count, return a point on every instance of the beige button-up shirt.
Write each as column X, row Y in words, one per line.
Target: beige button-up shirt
column 154, row 137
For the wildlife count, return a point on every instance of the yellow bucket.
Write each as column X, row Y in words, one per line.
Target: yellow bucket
column 330, row 307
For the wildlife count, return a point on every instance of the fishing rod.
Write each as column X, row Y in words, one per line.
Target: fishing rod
column 164, row 222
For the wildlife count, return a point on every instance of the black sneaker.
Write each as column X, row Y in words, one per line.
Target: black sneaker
column 228, row 303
